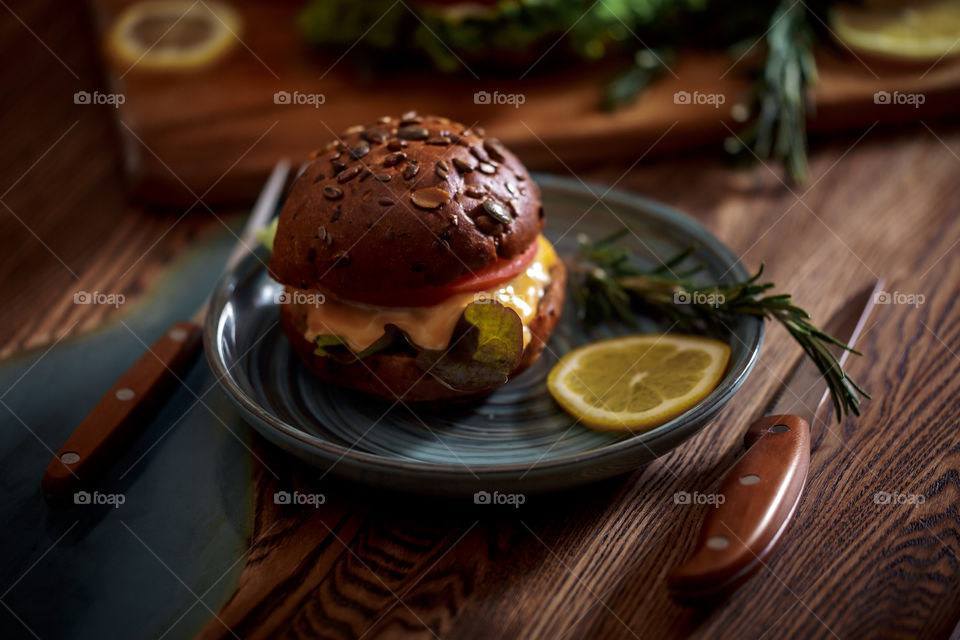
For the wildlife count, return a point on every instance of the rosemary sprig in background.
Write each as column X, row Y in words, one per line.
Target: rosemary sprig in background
column 778, row 101
column 608, row 284
column 781, row 92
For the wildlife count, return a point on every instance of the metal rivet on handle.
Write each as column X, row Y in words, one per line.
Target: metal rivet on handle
column 718, row 542
column 177, row 334
column 750, row 478
column 125, row 393
column 70, row 457
column 779, row 428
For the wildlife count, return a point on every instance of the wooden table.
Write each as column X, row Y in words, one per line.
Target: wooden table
column 592, row 562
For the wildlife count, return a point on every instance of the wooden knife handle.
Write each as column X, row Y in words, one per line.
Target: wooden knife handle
column 760, row 495
column 123, row 412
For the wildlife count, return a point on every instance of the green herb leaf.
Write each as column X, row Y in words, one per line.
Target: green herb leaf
column 610, row 285
column 648, row 66
column 486, row 346
column 781, row 92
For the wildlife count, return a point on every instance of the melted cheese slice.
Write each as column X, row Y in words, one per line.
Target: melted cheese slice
column 360, row 325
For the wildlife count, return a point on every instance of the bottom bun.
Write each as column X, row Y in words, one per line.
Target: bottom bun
column 397, row 377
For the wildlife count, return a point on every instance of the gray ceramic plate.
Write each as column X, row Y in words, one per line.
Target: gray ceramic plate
column 517, row 439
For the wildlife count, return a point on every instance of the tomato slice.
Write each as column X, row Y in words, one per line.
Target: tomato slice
column 502, row 270
column 499, row 272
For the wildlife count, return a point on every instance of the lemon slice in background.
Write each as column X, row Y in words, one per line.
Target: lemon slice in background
column 173, row 34
column 637, row 382
column 918, row 30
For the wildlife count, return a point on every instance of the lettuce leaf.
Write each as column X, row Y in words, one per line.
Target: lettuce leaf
column 266, row 235
column 486, row 346
column 327, row 346
column 325, row 341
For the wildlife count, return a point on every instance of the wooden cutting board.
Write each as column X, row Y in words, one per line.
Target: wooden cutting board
column 215, row 134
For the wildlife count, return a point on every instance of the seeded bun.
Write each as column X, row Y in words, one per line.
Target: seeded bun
column 397, row 376
column 401, row 204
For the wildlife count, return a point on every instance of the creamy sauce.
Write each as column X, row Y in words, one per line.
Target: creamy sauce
column 360, row 325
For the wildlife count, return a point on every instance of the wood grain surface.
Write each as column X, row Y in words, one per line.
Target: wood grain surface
column 590, row 563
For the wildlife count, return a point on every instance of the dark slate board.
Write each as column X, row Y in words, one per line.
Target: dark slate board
column 81, row 571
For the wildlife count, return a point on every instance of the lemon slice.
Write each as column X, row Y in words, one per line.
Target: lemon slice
column 918, row 30
column 174, row 34
column 637, row 382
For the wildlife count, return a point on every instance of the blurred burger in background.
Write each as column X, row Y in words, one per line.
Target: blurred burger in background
column 494, row 33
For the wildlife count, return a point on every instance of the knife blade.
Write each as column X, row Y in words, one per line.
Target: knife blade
column 126, row 408
column 757, row 498
column 805, row 390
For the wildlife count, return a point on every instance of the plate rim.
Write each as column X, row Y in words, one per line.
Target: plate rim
column 338, row 454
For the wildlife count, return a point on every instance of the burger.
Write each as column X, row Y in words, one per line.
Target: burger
column 413, row 265
column 496, row 36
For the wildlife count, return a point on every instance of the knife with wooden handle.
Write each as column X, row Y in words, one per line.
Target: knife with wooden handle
column 762, row 490
column 126, row 409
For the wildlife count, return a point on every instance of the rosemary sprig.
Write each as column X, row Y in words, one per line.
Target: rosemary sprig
column 608, row 284
column 648, row 65
column 781, row 97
